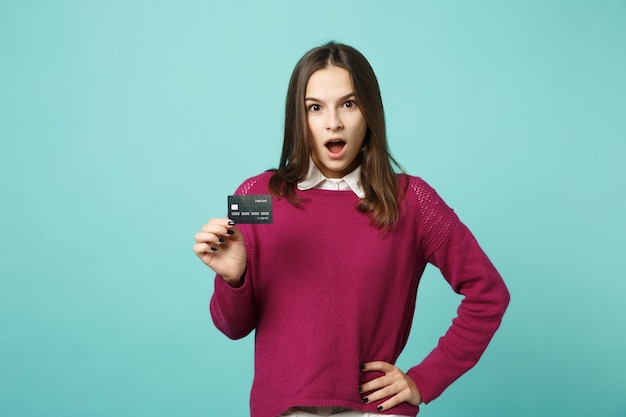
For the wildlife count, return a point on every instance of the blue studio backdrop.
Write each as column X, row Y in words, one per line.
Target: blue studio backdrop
column 125, row 124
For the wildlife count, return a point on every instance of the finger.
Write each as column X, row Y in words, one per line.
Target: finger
column 213, row 239
column 384, row 386
column 224, row 222
column 394, row 400
column 381, row 366
column 225, row 230
column 217, row 229
column 203, row 249
column 376, row 384
column 385, row 392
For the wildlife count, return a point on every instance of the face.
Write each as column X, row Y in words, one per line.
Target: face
column 335, row 121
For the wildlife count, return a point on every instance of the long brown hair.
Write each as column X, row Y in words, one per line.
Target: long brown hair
column 378, row 179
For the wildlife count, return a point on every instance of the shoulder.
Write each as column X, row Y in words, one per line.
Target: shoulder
column 255, row 185
column 417, row 190
column 436, row 218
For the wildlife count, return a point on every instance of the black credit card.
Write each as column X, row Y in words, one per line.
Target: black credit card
column 250, row 209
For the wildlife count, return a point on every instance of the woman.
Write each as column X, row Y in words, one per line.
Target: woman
column 330, row 286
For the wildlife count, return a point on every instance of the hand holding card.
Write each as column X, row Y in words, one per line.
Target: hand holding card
column 250, row 209
column 220, row 245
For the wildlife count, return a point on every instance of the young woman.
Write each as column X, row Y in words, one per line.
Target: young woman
column 330, row 286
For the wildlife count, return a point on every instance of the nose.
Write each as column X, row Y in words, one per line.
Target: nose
column 333, row 122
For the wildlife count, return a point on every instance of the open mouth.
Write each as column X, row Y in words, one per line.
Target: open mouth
column 335, row 146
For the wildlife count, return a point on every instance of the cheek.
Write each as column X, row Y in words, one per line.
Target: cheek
column 361, row 126
column 314, row 128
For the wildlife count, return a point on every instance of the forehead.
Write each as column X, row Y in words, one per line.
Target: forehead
column 329, row 82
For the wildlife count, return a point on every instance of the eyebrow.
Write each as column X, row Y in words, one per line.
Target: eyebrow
column 347, row 96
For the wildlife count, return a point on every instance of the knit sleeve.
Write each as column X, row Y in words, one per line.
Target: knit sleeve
column 452, row 248
column 233, row 309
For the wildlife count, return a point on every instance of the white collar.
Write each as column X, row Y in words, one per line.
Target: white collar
column 315, row 179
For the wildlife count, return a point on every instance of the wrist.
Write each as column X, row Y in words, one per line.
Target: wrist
column 235, row 281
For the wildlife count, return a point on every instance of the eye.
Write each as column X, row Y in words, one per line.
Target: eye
column 349, row 104
column 315, row 107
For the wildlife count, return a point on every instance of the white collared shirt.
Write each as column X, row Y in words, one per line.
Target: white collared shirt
column 315, row 179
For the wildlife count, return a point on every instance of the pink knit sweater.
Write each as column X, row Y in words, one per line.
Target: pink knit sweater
column 325, row 291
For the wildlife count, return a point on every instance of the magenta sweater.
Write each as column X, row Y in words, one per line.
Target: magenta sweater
column 325, row 291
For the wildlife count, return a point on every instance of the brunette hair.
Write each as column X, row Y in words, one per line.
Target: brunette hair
column 378, row 179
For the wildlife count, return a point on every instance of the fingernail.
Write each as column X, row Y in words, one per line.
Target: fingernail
column 360, row 389
column 213, row 249
column 231, row 223
column 221, row 240
column 230, row 232
column 379, row 408
column 362, row 366
column 364, row 400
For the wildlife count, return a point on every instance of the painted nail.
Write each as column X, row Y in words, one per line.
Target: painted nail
column 364, row 400
column 362, row 367
column 221, row 240
column 231, row 223
column 230, row 232
column 213, row 249
column 379, row 408
column 360, row 389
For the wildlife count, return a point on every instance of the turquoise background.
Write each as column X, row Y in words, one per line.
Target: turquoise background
column 124, row 125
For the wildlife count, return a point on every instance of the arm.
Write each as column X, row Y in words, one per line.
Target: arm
column 469, row 272
column 220, row 245
column 449, row 245
column 232, row 309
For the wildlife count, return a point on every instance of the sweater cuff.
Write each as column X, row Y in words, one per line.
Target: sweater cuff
column 425, row 387
column 227, row 294
column 232, row 309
